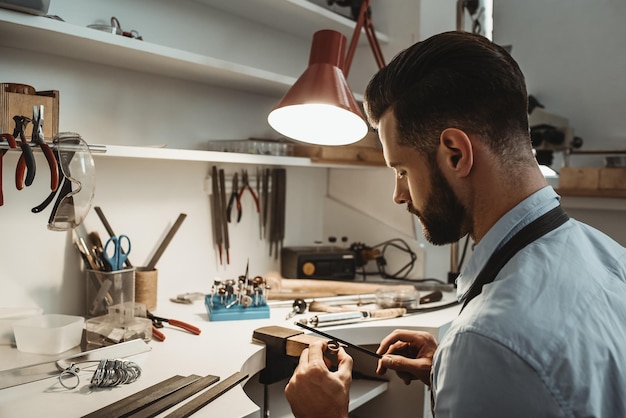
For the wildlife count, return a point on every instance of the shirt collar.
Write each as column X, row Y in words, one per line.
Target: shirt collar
column 521, row 215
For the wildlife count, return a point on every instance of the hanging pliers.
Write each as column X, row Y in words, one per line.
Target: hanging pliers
column 233, row 199
column 12, row 144
column 38, row 138
column 157, row 322
column 244, row 187
column 27, row 159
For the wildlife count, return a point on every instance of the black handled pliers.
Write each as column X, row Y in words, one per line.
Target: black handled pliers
column 12, row 144
column 234, row 199
column 38, row 138
column 26, row 163
column 244, row 187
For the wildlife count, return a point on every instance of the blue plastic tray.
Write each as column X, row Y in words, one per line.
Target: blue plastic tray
column 219, row 312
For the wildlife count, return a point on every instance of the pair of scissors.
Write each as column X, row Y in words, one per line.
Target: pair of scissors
column 117, row 255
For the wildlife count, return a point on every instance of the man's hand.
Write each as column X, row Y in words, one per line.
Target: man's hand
column 315, row 391
column 409, row 353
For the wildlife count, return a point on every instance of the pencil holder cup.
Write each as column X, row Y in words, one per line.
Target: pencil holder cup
column 106, row 288
column 146, row 281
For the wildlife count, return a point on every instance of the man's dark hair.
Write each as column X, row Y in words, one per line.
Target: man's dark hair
column 453, row 80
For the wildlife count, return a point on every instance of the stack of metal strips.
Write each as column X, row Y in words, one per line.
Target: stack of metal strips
column 277, row 210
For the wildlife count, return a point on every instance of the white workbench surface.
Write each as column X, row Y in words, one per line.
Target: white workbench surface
column 222, row 349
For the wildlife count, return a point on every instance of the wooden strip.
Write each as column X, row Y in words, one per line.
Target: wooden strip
column 175, row 398
column 207, row 397
column 142, row 398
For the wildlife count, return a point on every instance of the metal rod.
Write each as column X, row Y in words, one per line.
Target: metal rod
column 349, row 344
column 145, row 397
column 175, row 398
column 205, row 398
column 359, row 299
column 97, row 149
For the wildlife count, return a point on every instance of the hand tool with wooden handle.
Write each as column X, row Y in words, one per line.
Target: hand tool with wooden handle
column 351, row 317
column 285, row 289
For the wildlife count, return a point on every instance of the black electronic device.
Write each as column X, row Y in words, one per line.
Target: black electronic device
column 33, row 7
column 318, row 262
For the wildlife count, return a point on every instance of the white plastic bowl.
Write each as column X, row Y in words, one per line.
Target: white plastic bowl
column 8, row 316
column 48, row 333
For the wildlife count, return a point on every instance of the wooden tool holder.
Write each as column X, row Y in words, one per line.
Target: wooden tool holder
column 283, row 347
column 21, row 104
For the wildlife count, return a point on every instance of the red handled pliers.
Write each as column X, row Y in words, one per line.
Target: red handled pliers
column 12, row 144
column 157, row 322
column 23, row 163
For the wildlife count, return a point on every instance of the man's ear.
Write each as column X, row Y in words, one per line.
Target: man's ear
column 456, row 149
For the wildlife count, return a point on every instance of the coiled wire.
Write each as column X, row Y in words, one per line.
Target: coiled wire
column 114, row 373
column 109, row 373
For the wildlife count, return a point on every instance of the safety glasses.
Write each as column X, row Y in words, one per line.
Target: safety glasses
column 77, row 189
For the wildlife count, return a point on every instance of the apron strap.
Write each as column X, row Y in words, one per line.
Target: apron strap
column 536, row 229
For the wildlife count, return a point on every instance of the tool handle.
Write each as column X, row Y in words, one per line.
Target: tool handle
column 185, row 326
column 10, row 139
column 156, row 333
column 386, row 313
column 26, row 161
column 434, row 296
column 52, row 163
column 109, row 230
column 317, row 306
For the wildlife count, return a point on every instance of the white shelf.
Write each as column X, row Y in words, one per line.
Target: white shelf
column 122, row 151
column 297, row 17
column 49, row 36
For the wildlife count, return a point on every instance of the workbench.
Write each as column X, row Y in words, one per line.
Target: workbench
column 223, row 348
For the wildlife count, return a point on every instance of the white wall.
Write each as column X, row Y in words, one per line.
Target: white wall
column 142, row 198
column 573, row 55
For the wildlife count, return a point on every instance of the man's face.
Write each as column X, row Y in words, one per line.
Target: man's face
column 421, row 185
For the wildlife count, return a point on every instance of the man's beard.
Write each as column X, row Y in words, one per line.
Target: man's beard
column 443, row 217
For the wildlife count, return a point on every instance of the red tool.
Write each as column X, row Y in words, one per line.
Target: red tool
column 12, row 144
column 36, row 138
column 246, row 186
column 157, row 322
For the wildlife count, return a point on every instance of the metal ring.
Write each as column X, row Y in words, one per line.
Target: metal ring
column 69, row 373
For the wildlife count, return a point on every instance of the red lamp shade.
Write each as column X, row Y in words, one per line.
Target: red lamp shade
column 320, row 108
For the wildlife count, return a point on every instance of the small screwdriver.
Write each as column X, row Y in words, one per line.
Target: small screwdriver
column 298, row 307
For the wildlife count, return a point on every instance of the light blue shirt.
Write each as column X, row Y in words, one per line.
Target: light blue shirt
column 548, row 337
